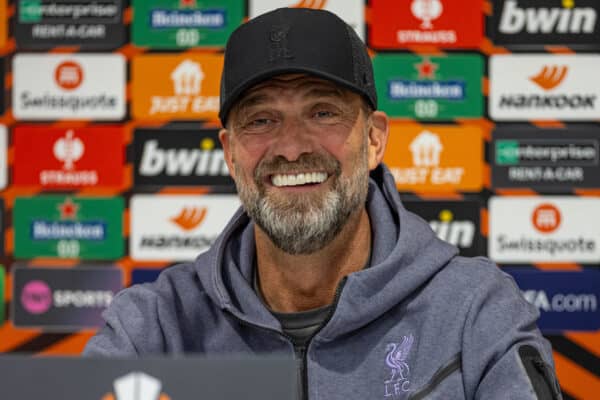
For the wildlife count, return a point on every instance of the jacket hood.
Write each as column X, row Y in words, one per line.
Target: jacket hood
column 406, row 253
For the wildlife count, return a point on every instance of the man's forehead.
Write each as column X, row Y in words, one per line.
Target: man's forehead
column 299, row 83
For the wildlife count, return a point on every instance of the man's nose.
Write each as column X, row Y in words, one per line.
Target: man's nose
column 293, row 140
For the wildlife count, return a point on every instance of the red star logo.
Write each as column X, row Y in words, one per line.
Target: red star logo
column 68, row 209
column 426, row 69
column 187, row 3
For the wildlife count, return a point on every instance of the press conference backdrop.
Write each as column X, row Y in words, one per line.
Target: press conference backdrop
column 111, row 169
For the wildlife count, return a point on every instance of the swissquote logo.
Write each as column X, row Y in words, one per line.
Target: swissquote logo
column 548, row 229
column 179, row 157
column 68, row 158
column 177, row 227
column 546, row 218
column 528, row 22
column 545, row 87
column 82, row 86
column 174, row 86
column 68, row 75
column 137, row 386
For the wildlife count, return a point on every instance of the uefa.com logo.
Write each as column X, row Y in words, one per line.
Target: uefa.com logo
column 544, row 87
column 544, row 229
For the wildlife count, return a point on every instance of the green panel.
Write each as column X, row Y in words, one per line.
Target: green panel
column 430, row 88
column 174, row 24
column 94, row 231
column 30, row 11
column 507, row 152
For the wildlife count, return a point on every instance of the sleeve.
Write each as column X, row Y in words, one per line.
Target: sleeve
column 132, row 326
column 504, row 354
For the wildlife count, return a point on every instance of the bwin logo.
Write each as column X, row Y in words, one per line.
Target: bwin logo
column 204, row 161
column 457, row 233
column 567, row 20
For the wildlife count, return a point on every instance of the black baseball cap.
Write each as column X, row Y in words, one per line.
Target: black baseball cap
column 295, row 40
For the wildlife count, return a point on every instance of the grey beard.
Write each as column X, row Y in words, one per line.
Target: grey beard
column 301, row 225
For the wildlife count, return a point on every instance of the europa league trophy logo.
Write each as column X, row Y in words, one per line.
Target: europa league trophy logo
column 427, row 11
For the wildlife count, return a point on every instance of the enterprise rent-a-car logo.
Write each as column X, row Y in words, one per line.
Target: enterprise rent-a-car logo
column 546, row 229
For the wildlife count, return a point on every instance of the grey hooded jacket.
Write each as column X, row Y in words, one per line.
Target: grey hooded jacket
column 421, row 322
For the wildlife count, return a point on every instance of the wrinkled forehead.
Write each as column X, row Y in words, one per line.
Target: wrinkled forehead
column 280, row 86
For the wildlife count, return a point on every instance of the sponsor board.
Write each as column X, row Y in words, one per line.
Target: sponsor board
column 3, row 156
column 44, row 24
column 63, row 299
column 351, row 11
column 3, row 26
column 173, row 24
column 545, row 159
column 2, row 232
column 179, row 157
column 68, row 227
column 68, row 158
column 435, row 158
column 441, row 23
column 430, row 87
column 548, row 229
column 182, row 86
column 73, row 86
column 534, row 24
column 2, row 87
column 566, row 300
column 544, row 87
column 456, row 222
column 2, row 291
column 177, row 227
column 143, row 275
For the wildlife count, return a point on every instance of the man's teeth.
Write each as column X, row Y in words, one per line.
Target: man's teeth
column 298, row 179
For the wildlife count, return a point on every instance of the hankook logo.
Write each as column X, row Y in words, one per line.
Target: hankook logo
column 544, row 87
column 550, row 77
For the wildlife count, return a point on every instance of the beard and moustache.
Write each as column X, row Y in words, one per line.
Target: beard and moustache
column 304, row 223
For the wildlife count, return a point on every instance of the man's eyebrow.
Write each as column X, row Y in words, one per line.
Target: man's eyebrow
column 252, row 100
column 326, row 92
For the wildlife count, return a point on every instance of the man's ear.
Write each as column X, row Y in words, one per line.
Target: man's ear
column 225, row 139
column 378, row 136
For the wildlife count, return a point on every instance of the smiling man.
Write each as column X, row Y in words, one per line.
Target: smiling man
column 323, row 262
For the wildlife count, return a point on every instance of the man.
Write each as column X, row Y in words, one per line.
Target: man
column 323, row 261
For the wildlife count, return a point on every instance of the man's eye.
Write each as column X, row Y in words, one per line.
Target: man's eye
column 324, row 114
column 259, row 122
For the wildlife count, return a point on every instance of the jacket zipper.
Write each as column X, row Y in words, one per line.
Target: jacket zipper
column 437, row 378
column 304, row 348
column 336, row 298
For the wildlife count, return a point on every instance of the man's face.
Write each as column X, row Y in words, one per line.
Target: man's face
column 298, row 149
